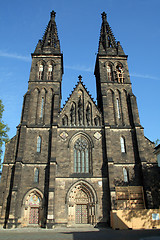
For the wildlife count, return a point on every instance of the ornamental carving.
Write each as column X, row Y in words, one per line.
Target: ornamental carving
column 64, row 135
column 97, row 135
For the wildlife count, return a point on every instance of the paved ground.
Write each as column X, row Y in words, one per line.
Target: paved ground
column 78, row 234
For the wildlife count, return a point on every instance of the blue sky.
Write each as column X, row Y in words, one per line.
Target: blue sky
column 134, row 23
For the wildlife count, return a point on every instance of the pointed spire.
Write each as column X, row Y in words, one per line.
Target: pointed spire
column 50, row 42
column 107, row 42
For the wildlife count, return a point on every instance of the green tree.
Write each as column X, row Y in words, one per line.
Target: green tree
column 3, row 130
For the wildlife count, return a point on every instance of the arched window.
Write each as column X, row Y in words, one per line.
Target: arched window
column 42, row 107
column 109, row 73
column 36, row 175
column 122, row 142
column 118, row 108
column 50, row 70
column 40, row 72
column 125, row 175
column 81, row 156
column 39, row 140
column 119, row 71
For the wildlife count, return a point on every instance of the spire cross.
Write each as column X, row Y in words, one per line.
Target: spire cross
column 53, row 14
column 104, row 16
column 80, row 77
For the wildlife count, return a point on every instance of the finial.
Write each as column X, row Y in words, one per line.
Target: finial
column 104, row 16
column 80, row 77
column 53, row 14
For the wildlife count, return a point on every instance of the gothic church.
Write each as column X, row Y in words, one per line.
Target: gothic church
column 73, row 165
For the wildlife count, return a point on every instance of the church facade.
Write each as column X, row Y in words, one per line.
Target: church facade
column 76, row 164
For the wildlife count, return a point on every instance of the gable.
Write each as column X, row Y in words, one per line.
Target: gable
column 80, row 110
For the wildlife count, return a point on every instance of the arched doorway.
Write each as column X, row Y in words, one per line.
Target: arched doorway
column 32, row 208
column 81, row 204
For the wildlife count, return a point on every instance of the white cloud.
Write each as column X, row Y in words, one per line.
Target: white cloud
column 15, row 56
column 80, row 68
column 144, row 76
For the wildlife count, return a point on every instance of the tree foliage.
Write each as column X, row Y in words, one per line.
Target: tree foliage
column 3, row 129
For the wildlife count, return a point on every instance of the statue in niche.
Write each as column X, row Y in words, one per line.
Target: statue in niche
column 72, row 115
column 65, row 121
column 80, row 110
column 88, row 115
column 96, row 121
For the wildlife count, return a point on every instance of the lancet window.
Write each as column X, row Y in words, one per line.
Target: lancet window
column 109, row 73
column 119, row 72
column 81, row 156
column 125, row 175
column 118, row 108
column 42, row 107
column 40, row 72
column 39, row 141
column 122, row 142
column 50, row 71
column 36, row 175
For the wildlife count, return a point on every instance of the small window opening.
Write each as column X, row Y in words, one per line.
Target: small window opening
column 123, row 147
column 39, row 140
column 36, row 175
column 125, row 175
column 42, row 106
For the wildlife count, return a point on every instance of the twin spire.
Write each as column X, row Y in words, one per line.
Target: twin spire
column 107, row 42
column 50, row 43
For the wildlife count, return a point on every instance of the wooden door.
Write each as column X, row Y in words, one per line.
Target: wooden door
column 81, row 214
column 34, row 215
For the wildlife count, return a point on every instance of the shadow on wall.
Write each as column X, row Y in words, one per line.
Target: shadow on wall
column 112, row 235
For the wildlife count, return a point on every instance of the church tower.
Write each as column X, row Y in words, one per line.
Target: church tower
column 124, row 143
column 30, row 155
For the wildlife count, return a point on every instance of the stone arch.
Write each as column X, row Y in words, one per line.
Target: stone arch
column 77, row 135
column 51, row 62
column 81, row 200
column 108, row 63
column 40, row 62
column 118, row 63
column 32, row 211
